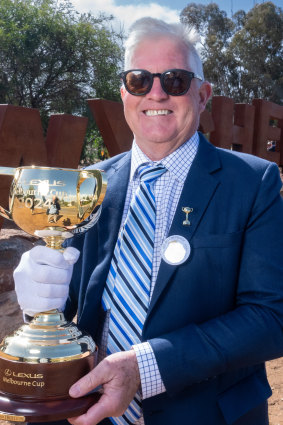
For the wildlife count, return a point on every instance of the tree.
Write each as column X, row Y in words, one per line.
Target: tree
column 258, row 46
column 52, row 58
column 242, row 56
column 94, row 149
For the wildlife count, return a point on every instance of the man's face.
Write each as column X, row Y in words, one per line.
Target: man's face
column 161, row 123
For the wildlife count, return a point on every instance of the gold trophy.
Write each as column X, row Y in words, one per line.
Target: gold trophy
column 43, row 358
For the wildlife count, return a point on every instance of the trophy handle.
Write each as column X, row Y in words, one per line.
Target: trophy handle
column 101, row 180
column 6, row 214
column 101, row 185
column 7, row 171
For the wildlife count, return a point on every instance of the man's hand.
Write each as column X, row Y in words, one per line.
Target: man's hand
column 120, row 379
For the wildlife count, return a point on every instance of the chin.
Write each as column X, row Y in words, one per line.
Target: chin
column 159, row 136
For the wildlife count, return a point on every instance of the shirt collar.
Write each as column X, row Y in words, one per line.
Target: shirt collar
column 177, row 163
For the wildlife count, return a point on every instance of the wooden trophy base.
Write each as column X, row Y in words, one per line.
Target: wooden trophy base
column 16, row 410
column 39, row 363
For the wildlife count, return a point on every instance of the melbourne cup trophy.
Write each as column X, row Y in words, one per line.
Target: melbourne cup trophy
column 42, row 359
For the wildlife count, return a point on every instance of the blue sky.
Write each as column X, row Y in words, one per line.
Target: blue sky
column 127, row 11
column 226, row 5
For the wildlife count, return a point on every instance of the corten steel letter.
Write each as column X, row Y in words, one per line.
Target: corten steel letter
column 234, row 124
column 206, row 124
column 64, row 140
column 265, row 111
column 243, row 128
column 222, row 111
column 115, row 132
column 21, row 136
column 21, row 142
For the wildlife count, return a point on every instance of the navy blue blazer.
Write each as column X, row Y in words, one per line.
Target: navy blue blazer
column 214, row 320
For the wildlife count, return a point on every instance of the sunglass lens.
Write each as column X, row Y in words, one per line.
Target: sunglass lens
column 176, row 82
column 138, row 82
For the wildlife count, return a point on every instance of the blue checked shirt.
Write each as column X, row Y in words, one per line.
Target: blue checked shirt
column 167, row 191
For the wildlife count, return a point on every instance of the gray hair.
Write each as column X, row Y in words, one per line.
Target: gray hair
column 150, row 28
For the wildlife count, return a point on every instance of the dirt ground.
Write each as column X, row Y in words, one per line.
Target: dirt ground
column 11, row 318
column 275, row 376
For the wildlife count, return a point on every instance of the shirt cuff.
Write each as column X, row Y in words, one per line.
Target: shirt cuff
column 151, row 381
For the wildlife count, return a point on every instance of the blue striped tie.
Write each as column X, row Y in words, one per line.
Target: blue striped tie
column 127, row 291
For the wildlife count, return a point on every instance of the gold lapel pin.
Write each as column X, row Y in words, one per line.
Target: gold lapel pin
column 187, row 211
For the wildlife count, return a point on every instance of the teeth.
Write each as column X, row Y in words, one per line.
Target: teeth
column 153, row 112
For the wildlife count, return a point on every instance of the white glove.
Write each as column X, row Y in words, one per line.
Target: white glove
column 42, row 279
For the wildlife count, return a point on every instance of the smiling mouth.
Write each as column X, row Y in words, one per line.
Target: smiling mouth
column 156, row 112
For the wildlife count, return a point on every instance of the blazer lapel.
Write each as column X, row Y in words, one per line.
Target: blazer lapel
column 199, row 188
column 112, row 207
column 107, row 232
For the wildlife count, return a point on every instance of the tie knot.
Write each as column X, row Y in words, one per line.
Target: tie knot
column 149, row 173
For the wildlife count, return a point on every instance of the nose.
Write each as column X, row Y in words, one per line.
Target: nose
column 157, row 92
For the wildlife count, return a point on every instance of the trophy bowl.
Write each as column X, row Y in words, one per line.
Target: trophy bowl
column 42, row 359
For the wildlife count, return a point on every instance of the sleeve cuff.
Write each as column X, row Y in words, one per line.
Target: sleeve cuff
column 151, row 381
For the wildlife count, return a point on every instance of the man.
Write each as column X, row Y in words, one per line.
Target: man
column 54, row 209
column 215, row 299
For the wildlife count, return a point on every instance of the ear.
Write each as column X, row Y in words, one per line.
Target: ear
column 205, row 92
column 122, row 92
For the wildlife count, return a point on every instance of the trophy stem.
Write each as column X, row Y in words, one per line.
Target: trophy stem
column 54, row 242
column 54, row 238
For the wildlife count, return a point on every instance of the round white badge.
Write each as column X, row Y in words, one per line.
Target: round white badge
column 175, row 250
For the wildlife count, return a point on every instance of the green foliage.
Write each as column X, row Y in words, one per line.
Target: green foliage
column 52, row 58
column 94, row 149
column 242, row 56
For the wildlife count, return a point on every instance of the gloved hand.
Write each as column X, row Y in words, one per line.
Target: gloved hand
column 42, row 279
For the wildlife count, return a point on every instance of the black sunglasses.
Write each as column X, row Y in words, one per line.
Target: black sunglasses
column 174, row 82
